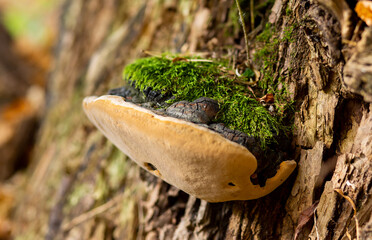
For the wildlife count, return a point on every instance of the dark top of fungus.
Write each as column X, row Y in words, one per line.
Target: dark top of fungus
column 203, row 110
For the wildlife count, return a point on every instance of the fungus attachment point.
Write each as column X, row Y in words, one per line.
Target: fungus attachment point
column 193, row 158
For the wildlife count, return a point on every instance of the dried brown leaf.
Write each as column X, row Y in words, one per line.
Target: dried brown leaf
column 268, row 98
column 339, row 191
column 305, row 216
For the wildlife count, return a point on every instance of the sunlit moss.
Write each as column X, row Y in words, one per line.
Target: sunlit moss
column 189, row 80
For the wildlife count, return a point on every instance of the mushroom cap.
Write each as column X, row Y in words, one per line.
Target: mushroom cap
column 191, row 157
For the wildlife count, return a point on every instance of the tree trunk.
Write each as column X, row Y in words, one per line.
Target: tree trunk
column 81, row 187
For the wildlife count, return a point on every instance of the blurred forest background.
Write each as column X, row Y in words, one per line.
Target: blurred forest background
column 61, row 179
column 28, row 31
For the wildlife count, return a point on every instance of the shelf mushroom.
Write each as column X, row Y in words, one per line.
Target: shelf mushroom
column 193, row 158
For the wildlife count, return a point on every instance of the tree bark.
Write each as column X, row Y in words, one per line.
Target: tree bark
column 81, row 187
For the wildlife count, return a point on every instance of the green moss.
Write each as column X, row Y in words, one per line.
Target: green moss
column 288, row 33
column 267, row 58
column 288, row 11
column 188, row 80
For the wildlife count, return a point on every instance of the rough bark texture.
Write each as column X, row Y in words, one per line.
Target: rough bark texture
column 81, row 187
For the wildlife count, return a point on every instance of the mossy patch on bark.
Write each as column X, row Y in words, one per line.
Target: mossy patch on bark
column 188, row 80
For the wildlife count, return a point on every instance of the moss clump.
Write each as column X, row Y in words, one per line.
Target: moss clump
column 189, row 80
column 267, row 58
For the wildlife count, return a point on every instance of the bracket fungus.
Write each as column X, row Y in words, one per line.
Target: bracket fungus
column 191, row 157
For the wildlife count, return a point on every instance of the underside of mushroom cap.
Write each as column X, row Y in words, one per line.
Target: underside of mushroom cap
column 193, row 158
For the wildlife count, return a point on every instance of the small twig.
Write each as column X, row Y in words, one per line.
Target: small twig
column 234, row 58
column 356, row 30
column 256, row 30
column 92, row 213
column 351, row 43
column 150, row 53
column 199, row 60
column 252, row 14
column 348, row 234
column 244, row 30
column 339, row 191
column 237, row 73
column 153, row 54
column 250, row 83
column 316, row 227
